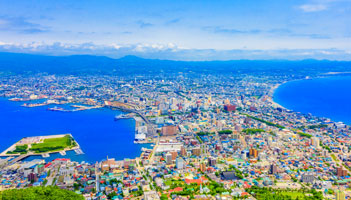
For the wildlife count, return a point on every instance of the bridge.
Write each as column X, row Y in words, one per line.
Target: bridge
column 18, row 158
column 131, row 109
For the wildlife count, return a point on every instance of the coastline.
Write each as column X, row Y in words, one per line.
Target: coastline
column 271, row 95
column 112, row 130
column 316, row 111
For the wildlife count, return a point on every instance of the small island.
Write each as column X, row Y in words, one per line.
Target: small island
column 42, row 145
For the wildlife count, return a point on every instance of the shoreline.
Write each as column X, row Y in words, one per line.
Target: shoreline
column 138, row 146
column 321, row 76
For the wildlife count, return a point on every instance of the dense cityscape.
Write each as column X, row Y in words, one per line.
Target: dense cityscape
column 214, row 136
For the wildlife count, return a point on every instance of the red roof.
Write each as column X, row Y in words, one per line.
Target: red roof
column 62, row 159
column 244, row 194
column 177, row 189
column 189, row 181
column 47, row 165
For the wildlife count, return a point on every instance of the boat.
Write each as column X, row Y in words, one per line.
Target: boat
column 122, row 116
column 139, row 138
column 58, row 109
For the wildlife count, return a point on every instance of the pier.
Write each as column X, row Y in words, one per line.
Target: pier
column 131, row 109
column 78, row 151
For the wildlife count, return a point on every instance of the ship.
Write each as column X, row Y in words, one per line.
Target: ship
column 58, row 109
column 122, row 116
column 139, row 137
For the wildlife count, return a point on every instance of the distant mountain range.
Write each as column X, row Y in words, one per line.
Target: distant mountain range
column 87, row 64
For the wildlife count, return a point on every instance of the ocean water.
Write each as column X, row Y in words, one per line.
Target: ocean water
column 324, row 97
column 95, row 130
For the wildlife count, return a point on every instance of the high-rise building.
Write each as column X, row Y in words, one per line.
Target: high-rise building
column 169, row 130
column 340, row 171
column 32, row 177
column 179, row 163
column 174, row 155
column 203, row 149
column 212, row 161
column 202, row 167
column 229, row 108
column 168, row 158
column 340, row 195
column 253, row 153
column 183, row 151
column 196, row 151
column 315, row 141
column 307, row 178
column 273, row 169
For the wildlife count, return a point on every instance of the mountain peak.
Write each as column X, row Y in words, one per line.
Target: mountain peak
column 131, row 58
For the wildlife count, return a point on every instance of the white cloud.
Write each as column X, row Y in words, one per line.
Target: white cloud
column 172, row 51
column 313, row 7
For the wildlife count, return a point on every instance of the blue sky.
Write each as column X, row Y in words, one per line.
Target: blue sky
column 179, row 30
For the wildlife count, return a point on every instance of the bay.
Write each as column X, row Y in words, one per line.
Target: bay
column 95, row 130
column 324, row 97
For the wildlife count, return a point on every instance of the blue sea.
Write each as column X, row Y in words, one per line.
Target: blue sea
column 324, row 97
column 95, row 130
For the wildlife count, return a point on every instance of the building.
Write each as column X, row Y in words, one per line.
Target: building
column 273, row 169
column 228, row 176
column 32, row 177
column 169, row 130
column 174, row 155
column 179, row 163
column 168, row 158
column 340, row 195
column 253, row 153
column 315, row 142
column 202, row 167
column 212, row 161
column 182, row 151
column 196, row 151
column 203, row 148
column 108, row 164
column 151, row 195
column 340, row 171
column 307, row 178
column 229, row 108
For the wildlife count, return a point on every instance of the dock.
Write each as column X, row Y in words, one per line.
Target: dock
column 78, row 151
column 45, row 155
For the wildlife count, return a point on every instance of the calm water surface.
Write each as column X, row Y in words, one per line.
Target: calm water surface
column 325, row 97
column 95, row 130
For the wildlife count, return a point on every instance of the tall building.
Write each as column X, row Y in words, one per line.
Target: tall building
column 203, row 167
column 32, row 177
column 212, row 161
column 340, row 195
column 174, row 155
column 229, row 108
column 169, row 130
column 183, row 151
column 196, row 151
column 315, row 141
column 179, row 163
column 168, row 158
column 307, row 178
column 203, row 148
column 273, row 169
column 253, row 153
column 340, row 171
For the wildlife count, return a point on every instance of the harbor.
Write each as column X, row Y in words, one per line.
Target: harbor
column 96, row 131
column 41, row 145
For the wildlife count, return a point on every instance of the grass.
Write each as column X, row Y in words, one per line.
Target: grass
column 293, row 194
column 264, row 121
column 21, row 149
column 334, row 158
column 53, row 144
